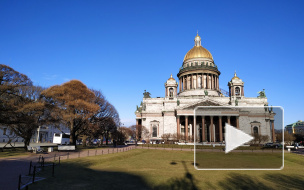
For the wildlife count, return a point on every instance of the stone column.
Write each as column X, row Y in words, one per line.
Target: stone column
column 217, row 80
column 259, row 130
column 213, row 81
column 188, row 82
column 220, row 129
column 186, row 126
column 251, row 130
column 211, row 86
column 237, row 122
column 211, row 126
column 179, row 83
column 242, row 90
column 192, row 82
column 207, row 76
column 183, row 84
column 203, row 129
column 178, row 127
column 272, row 130
column 136, row 121
column 228, row 120
column 197, row 85
column 166, row 91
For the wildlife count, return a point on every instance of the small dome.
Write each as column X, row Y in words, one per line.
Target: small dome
column 171, row 78
column 235, row 77
column 198, row 51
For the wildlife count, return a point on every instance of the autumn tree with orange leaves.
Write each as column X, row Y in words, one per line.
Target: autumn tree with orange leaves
column 21, row 108
column 75, row 105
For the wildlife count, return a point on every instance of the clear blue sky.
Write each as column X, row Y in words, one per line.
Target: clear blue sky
column 125, row 47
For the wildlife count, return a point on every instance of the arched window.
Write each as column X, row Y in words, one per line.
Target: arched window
column 237, row 91
column 255, row 130
column 154, row 134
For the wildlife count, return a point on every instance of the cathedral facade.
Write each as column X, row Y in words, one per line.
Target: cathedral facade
column 186, row 105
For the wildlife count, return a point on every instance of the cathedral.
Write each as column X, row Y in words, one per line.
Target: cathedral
column 195, row 105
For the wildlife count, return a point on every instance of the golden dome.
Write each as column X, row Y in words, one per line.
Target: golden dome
column 171, row 78
column 235, row 77
column 198, row 50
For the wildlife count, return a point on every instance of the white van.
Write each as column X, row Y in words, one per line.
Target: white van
column 61, row 138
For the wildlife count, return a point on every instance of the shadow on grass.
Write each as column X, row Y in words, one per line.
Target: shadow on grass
column 238, row 181
column 286, row 181
column 280, row 181
column 184, row 183
column 80, row 176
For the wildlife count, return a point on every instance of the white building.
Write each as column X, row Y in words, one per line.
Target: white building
column 199, row 86
column 43, row 134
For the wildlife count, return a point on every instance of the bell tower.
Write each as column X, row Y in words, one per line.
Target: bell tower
column 236, row 89
column 171, row 88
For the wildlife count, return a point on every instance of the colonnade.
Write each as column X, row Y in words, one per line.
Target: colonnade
column 209, row 128
column 198, row 81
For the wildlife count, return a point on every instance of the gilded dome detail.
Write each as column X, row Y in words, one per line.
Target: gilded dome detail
column 198, row 51
column 171, row 78
column 235, row 77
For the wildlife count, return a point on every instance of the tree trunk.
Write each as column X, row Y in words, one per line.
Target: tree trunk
column 26, row 143
column 84, row 141
column 107, row 137
column 72, row 137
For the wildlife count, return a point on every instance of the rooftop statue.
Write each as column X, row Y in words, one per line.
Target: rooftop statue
column 147, row 94
column 262, row 94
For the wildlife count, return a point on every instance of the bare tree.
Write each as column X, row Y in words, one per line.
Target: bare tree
column 259, row 139
column 139, row 132
column 288, row 138
column 123, row 134
column 106, row 119
column 166, row 137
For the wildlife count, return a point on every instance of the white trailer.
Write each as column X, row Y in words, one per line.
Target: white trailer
column 61, row 138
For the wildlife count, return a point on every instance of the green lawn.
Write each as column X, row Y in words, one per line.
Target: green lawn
column 239, row 160
column 13, row 152
column 160, row 169
column 204, row 147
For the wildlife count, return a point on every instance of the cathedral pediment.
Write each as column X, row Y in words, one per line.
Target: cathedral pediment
column 205, row 102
